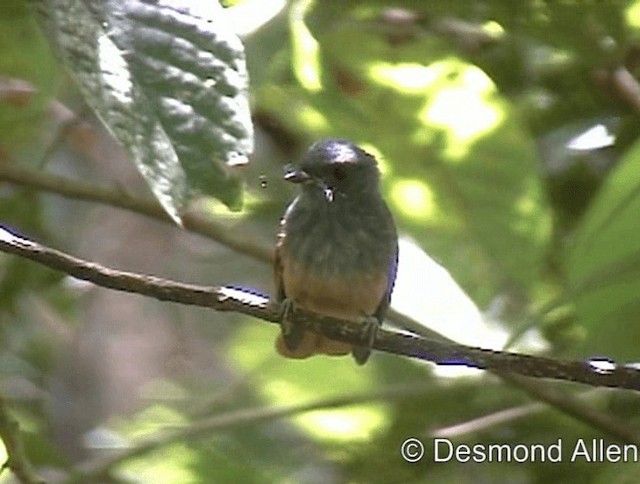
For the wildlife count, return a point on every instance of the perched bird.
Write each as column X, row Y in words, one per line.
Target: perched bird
column 337, row 248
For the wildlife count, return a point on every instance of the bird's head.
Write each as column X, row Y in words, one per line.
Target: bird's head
column 336, row 168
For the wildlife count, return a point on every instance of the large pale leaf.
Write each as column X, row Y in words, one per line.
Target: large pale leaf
column 168, row 79
column 604, row 265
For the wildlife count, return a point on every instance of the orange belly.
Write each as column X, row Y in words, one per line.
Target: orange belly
column 350, row 297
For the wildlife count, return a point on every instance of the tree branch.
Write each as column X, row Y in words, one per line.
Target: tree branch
column 498, row 417
column 90, row 192
column 148, row 207
column 251, row 303
column 99, row 467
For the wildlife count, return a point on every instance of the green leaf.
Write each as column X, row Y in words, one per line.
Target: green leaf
column 28, row 76
column 604, row 264
column 169, row 81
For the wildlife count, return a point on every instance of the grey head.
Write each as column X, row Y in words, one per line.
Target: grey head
column 336, row 169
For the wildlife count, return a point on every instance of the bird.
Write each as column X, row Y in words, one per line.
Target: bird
column 336, row 248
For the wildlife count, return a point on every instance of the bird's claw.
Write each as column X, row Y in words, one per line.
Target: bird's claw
column 370, row 326
column 292, row 334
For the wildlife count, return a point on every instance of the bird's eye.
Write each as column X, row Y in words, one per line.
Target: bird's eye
column 339, row 172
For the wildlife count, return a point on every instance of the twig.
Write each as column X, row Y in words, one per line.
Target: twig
column 99, row 467
column 488, row 421
column 149, row 207
column 623, row 430
column 563, row 400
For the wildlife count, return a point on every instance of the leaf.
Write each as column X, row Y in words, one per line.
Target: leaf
column 169, row 81
column 604, row 264
column 28, row 78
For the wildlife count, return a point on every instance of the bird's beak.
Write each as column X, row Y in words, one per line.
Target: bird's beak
column 295, row 175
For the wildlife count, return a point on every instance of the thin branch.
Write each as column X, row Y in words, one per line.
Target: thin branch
column 101, row 466
column 17, row 460
column 562, row 399
column 623, row 430
column 251, row 303
column 485, row 422
column 148, row 207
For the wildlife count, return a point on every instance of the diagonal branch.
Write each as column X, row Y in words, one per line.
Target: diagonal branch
column 148, row 207
column 99, row 467
column 79, row 190
column 251, row 303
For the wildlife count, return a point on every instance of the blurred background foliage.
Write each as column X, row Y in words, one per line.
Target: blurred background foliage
column 507, row 133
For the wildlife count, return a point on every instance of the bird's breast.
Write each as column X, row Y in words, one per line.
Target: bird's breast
column 347, row 296
column 337, row 259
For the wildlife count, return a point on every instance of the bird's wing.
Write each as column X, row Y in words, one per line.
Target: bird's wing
column 393, row 267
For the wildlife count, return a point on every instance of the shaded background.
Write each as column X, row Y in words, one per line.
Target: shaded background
column 506, row 133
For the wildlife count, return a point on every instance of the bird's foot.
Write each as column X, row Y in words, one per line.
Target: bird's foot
column 370, row 326
column 292, row 334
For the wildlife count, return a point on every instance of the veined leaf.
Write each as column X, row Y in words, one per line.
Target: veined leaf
column 168, row 79
column 604, row 264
